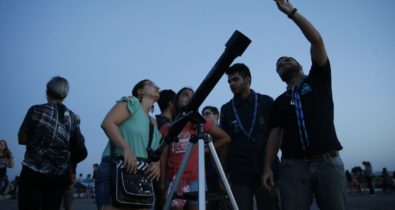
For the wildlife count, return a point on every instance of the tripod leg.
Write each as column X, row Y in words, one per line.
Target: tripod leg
column 179, row 174
column 222, row 174
column 202, row 177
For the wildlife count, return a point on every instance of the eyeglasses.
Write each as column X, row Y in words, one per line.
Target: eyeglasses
column 152, row 84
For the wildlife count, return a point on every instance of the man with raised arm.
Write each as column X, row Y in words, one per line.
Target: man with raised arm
column 301, row 122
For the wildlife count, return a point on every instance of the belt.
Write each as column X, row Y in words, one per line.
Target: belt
column 321, row 157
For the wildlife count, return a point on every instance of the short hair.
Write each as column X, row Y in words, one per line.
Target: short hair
column 285, row 57
column 211, row 108
column 138, row 86
column 239, row 68
column 166, row 96
column 57, row 88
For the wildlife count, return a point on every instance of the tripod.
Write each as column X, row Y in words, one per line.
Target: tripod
column 202, row 140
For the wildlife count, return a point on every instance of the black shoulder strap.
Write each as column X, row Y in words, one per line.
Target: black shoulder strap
column 151, row 134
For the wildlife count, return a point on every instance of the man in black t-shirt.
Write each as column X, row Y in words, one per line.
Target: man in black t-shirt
column 245, row 118
column 301, row 123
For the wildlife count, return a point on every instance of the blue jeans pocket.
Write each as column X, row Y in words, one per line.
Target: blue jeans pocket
column 102, row 184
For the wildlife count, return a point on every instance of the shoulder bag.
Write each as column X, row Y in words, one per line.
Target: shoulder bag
column 131, row 190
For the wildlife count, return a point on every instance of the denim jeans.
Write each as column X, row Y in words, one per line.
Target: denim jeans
column 324, row 180
column 103, row 184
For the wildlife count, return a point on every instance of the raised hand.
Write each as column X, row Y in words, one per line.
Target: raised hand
column 284, row 6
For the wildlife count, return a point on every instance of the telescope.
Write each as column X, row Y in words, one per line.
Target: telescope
column 235, row 47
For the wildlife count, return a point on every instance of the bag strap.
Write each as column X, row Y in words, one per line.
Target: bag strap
column 150, row 135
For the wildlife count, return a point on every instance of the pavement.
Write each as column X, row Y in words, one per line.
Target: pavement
column 380, row 201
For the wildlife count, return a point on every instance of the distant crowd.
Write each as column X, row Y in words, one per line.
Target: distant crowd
column 362, row 179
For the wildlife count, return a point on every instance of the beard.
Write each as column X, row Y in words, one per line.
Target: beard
column 290, row 73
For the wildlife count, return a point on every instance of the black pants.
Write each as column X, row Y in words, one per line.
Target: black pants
column 369, row 181
column 40, row 191
column 244, row 195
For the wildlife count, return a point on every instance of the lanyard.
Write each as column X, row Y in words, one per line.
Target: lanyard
column 296, row 100
column 252, row 121
column 304, row 139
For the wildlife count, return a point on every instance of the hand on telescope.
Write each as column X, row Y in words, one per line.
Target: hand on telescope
column 284, row 6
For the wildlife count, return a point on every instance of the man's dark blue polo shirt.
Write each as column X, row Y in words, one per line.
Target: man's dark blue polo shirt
column 246, row 155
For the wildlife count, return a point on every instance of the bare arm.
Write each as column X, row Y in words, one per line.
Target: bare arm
column 222, row 137
column 317, row 49
column 273, row 144
column 118, row 114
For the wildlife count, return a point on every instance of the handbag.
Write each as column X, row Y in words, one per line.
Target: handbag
column 131, row 190
column 78, row 151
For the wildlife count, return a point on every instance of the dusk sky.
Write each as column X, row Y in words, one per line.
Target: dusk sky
column 103, row 48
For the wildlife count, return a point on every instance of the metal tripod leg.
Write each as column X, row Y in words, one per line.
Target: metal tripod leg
column 181, row 169
column 202, row 176
column 179, row 174
column 222, row 174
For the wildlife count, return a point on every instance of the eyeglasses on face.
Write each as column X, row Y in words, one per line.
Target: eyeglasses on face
column 152, row 84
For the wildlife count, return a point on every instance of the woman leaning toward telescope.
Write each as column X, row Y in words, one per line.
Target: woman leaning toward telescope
column 174, row 153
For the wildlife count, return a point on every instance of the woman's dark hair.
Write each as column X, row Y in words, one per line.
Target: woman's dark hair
column 166, row 96
column 176, row 108
column 137, row 87
column 6, row 151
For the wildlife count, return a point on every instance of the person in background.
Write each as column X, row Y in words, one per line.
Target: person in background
column 388, row 183
column 95, row 168
column 349, row 179
column 47, row 131
column 6, row 161
column 214, row 184
column 79, row 186
column 302, row 124
column 166, row 106
column 4, row 185
column 368, row 174
column 174, row 152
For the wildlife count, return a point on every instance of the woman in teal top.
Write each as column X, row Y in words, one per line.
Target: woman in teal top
column 127, row 127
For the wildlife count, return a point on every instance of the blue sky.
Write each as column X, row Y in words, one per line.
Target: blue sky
column 104, row 47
